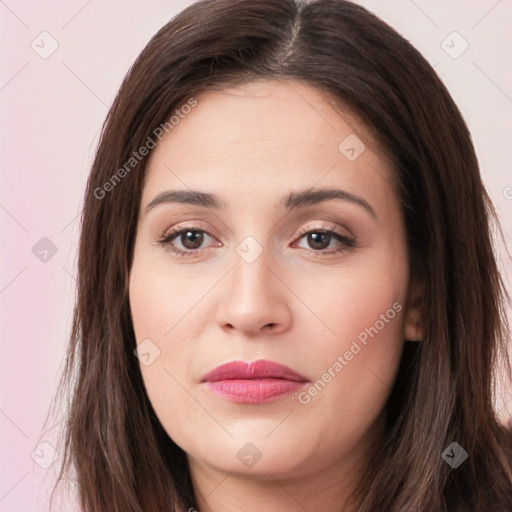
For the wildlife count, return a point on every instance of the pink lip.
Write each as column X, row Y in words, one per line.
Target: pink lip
column 257, row 382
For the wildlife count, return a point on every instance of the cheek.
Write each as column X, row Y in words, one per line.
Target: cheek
column 166, row 311
column 362, row 302
column 355, row 359
column 162, row 302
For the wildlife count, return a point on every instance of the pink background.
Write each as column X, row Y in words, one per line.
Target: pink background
column 52, row 111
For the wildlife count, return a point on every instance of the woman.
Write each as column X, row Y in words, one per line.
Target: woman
column 287, row 293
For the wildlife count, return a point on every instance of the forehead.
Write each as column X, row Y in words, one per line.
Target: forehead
column 264, row 136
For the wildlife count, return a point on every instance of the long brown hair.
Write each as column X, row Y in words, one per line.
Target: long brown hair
column 120, row 455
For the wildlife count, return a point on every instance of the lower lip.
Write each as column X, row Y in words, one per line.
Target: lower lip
column 254, row 391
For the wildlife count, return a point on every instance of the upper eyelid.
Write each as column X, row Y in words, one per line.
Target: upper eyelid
column 332, row 227
column 176, row 230
column 193, row 227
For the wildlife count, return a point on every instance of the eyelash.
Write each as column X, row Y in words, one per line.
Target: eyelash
column 347, row 242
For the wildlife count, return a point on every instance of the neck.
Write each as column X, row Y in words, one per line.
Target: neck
column 326, row 488
column 232, row 493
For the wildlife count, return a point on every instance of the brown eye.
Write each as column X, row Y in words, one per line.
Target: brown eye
column 318, row 240
column 191, row 239
column 184, row 241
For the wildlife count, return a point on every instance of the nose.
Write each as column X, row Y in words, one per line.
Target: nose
column 255, row 300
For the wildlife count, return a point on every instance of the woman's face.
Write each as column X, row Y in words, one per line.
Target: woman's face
column 252, row 277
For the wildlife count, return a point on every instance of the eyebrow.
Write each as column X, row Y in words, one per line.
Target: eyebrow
column 293, row 200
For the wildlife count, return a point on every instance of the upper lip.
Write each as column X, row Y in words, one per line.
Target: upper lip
column 260, row 369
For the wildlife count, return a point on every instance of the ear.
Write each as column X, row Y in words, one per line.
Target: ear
column 414, row 326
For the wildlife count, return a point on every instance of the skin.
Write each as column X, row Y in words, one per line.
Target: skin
column 297, row 303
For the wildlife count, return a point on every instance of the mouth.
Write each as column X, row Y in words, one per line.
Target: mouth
column 253, row 382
